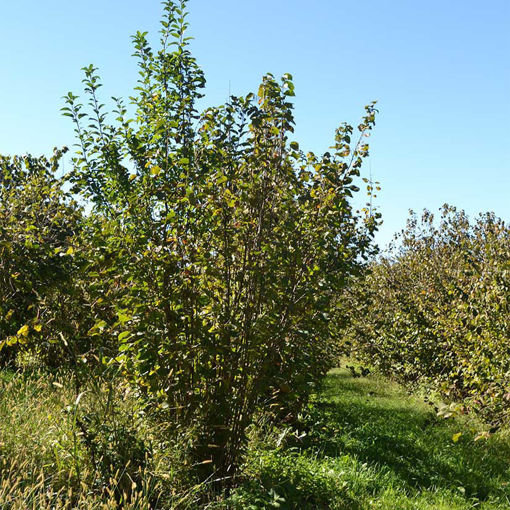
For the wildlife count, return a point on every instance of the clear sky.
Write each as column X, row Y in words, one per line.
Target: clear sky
column 440, row 70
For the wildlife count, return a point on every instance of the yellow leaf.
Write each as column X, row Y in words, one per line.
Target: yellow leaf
column 456, row 437
column 23, row 331
column 38, row 327
column 70, row 250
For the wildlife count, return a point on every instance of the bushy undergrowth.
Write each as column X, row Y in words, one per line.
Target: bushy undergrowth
column 38, row 223
column 100, row 450
column 51, row 263
column 436, row 309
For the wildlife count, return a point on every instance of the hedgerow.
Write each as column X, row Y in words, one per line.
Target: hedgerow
column 436, row 309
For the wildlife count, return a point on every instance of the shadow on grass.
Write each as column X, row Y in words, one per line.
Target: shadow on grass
column 396, row 434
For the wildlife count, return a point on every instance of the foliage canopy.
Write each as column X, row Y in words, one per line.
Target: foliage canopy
column 227, row 242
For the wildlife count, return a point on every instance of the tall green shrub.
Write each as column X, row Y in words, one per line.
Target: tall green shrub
column 228, row 243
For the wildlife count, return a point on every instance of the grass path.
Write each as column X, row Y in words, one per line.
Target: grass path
column 365, row 443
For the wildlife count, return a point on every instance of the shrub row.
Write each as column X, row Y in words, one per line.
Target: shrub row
column 436, row 309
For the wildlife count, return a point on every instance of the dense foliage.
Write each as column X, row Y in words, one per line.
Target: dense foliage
column 38, row 225
column 436, row 308
column 208, row 266
column 52, row 289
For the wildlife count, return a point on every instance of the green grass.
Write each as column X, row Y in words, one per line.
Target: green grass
column 44, row 463
column 365, row 443
column 362, row 443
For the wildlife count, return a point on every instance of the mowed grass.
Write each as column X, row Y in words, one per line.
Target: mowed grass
column 365, row 443
column 362, row 443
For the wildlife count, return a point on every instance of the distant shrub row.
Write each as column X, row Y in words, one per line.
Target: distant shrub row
column 436, row 309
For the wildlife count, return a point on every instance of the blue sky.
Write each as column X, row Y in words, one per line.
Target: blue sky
column 440, row 71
